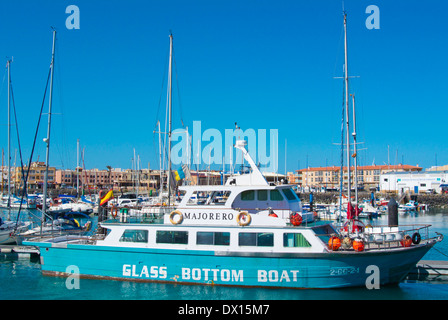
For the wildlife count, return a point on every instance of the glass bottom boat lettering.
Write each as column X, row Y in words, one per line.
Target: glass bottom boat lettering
column 205, row 274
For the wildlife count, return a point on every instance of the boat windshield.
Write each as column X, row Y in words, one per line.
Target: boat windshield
column 208, row 198
column 324, row 231
column 290, row 194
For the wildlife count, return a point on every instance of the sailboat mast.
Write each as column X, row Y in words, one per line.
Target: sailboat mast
column 169, row 117
column 160, row 163
column 47, row 139
column 77, row 168
column 347, row 133
column 355, row 153
column 8, row 64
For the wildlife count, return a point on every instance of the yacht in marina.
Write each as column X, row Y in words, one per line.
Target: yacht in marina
column 244, row 233
column 229, row 241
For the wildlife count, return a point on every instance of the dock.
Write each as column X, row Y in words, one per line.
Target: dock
column 20, row 251
column 429, row 269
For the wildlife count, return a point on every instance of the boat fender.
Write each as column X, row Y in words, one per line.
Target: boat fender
column 358, row 245
column 416, row 238
column 334, row 243
column 178, row 220
column 407, row 241
column 347, row 243
column 295, row 219
column 114, row 212
column 243, row 218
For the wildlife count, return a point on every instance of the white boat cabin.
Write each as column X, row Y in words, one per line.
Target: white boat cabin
column 250, row 194
column 220, row 205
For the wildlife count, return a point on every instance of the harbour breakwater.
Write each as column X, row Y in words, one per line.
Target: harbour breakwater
column 432, row 200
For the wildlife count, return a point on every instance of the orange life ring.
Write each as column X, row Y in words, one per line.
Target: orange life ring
column 243, row 218
column 114, row 212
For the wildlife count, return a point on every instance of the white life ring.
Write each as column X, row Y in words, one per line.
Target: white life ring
column 243, row 218
column 176, row 213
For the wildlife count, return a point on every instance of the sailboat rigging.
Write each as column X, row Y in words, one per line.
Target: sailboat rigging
column 47, row 139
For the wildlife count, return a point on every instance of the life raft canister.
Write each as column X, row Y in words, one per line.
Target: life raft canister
column 178, row 220
column 243, row 218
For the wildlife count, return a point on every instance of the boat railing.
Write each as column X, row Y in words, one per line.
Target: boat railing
column 64, row 239
column 153, row 214
column 132, row 215
column 377, row 237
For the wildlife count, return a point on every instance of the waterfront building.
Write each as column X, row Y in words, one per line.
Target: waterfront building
column 414, row 182
column 36, row 176
column 328, row 177
column 116, row 178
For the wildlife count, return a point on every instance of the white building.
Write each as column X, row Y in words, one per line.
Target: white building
column 413, row 182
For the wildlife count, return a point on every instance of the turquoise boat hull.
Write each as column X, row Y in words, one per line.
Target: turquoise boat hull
column 287, row 270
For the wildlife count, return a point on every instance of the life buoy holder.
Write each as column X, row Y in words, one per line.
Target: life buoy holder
column 243, row 218
column 114, row 212
column 176, row 213
column 416, row 238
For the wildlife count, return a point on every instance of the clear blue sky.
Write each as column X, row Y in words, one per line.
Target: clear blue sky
column 261, row 63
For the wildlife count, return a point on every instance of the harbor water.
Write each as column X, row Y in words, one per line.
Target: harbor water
column 21, row 279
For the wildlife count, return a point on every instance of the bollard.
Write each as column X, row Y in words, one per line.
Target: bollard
column 311, row 202
column 392, row 208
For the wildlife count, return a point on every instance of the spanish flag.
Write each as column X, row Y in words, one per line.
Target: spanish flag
column 107, row 197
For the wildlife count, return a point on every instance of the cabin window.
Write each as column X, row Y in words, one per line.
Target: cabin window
column 213, row 238
column 173, row 237
column 256, row 239
column 289, row 194
column 262, row 195
column 295, row 240
column 131, row 235
column 276, row 195
column 248, row 195
column 208, row 198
